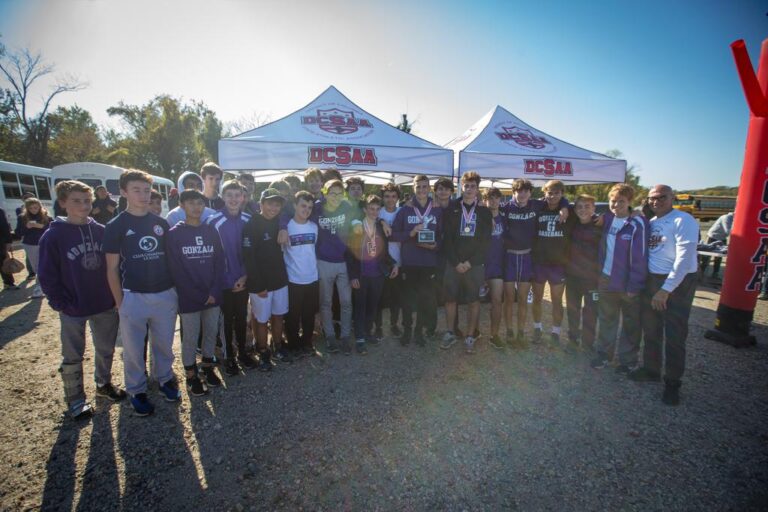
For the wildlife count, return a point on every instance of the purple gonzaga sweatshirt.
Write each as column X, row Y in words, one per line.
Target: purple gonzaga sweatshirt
column 334, row 230
column 197, row 263
column 630, row 254
column 73, row 270
column 410, row 253
column 230, row 228
column 522, row 222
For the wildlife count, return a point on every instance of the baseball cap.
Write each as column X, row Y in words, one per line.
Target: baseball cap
column 271, row 193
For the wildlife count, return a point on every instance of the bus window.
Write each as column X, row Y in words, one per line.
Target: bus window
column 43, row 189
column 113, row 187
column 10, row 185
column 27, row 184
column 164, row 192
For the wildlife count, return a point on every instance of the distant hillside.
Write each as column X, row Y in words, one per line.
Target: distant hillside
column 713, row 191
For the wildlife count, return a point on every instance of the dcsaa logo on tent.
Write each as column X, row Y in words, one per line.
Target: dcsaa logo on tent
column 524, row 137
column 336, row 121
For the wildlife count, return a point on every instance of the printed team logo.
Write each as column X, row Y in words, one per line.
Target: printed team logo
column 90, row 261
column 549, row 167
column 158, row 230
column 655, row 240
column 524, row 137
column 336, row 121
column 342, row 155
column 149, row 243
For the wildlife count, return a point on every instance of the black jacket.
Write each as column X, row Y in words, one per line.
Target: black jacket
column 263, row 256
column 459, row 246
column 354, row 255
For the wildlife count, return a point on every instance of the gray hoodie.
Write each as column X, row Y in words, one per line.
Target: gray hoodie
column 177, row 214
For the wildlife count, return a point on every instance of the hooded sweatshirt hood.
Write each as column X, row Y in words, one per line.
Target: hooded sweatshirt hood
column 73, row 270
column 177, row 214
column 184, row 176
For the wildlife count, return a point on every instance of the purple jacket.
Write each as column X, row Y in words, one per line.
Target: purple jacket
column 230, row 230
column 73, row 268
column 630, row 254
column 406, row 219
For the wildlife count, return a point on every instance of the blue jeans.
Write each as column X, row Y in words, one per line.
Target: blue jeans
column 366, row 299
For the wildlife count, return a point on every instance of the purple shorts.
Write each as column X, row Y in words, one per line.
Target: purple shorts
column 518, row 268
column 542, row 273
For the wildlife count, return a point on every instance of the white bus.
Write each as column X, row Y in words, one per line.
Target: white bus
column 18, row 179
column 94, row 174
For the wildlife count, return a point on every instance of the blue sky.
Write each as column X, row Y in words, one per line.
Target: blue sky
column 655, row 80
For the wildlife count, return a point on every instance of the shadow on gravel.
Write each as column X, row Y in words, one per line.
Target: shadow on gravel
column 155, row 454
column 101, row 488
column 59, row 489
column 18, row 324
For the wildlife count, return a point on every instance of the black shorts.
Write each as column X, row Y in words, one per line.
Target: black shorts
column 472, row 280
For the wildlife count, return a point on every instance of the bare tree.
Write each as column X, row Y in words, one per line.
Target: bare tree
column 246, row 122
column 20, row 70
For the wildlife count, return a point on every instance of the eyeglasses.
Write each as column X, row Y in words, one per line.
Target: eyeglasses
column 335, row 194
column 657, row 198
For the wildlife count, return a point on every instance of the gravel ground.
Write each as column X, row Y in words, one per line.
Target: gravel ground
column 399, row 429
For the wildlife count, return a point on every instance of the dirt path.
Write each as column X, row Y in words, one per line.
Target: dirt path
column 398, row 429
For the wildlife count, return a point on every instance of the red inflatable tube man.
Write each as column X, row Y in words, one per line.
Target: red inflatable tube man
column 748, row 246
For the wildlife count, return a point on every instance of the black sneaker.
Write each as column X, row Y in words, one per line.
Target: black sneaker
column 497, row 343
column 110, row 392
column 284, row 355
column 195, row 386
column 265, row 362
column 331, row 345
column 537, row 335
column 405, row 339
column 346, row 346
column 310, row 351
column 375, row 339
column 211, row 378
column 572, row 347
column 378, row 334
column 671, row 395
column 232, row 368
column 599, row 362
column 361, row 348
column 247, row 361
column 642, row 374
column 419, row 339
column 395, row 331
column 510, row 340
column 554, row 340
column 623, row 369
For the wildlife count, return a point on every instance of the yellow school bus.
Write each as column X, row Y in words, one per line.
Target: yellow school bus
column 705, row 207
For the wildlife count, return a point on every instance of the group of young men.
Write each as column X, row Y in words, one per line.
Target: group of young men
column 224, row 262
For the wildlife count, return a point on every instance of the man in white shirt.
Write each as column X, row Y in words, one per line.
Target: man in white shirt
column 390, row 297
column 669, row 291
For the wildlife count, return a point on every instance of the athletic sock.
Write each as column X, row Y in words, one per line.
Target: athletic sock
column 537, row 325
column 556, row 330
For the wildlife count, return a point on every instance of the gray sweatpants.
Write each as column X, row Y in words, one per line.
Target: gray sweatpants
column 329, row 274
column 190, row 327
column 33, row 255
column 103, row 333
column 159, row 311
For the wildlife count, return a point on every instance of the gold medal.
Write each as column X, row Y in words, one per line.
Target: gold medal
column 466, row 229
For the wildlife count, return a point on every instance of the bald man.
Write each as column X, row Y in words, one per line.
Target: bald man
column 668, row 295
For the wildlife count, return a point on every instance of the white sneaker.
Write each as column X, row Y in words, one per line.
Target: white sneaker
column 469, row 345
column 37, row 292
column 448, row 340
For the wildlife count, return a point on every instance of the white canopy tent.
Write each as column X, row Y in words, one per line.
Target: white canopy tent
column 503, row 148
column 333, row 132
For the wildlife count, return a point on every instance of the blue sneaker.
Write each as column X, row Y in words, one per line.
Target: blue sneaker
column 170, row 391
column 142, row 405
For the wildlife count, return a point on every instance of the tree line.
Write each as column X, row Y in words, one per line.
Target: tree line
column 164, row 136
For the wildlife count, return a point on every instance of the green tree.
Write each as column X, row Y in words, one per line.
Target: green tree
column 600, row 190
column 404, row 125
column 75, row 137
column 164, row 135
column 20, row 72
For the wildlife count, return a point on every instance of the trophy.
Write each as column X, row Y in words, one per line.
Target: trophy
column 426, row 236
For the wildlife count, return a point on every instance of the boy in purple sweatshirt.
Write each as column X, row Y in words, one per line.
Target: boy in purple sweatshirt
column 229, row 222
column 419, row 256
column 197, row 264
column 72, row 273
column 520, row 236
column 623, row 263
column 369, row 264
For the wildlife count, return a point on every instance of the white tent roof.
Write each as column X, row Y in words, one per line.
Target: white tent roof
column 333, row 132
column 502, row 148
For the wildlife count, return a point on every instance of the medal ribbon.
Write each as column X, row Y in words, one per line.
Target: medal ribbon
column 371, row 233
column 426, row 212
column 467, row 216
